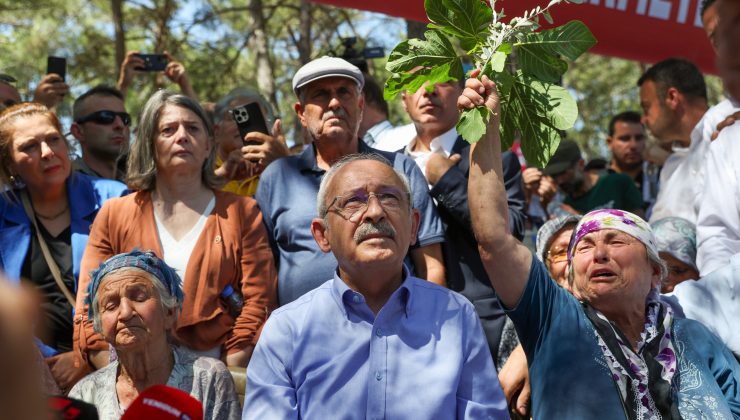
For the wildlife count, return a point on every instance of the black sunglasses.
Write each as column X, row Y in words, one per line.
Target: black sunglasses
column 105, row 117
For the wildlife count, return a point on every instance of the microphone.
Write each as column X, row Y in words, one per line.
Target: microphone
column 161, row 402
column 71, row 409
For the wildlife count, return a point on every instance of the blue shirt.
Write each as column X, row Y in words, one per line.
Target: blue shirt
column 326, row 356
column 569, row 375
column 287, row 197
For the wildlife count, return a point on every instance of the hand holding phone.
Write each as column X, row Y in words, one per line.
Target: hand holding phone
column 56, row 65
column 249, row 118
column 152, row 62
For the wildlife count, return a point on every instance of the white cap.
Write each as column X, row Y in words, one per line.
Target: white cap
column 326, row 67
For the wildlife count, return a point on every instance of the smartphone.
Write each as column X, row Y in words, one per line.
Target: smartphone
column 249, row 118
column 56, row 65
column 153, row 62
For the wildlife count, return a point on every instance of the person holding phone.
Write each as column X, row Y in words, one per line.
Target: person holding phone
column 243, row 153
column 134, row 64
column 52, row 88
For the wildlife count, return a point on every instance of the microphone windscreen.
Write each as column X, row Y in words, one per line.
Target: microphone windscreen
column 71, row 409
column 161, row 402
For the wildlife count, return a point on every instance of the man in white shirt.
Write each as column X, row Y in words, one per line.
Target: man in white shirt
column 673, row 97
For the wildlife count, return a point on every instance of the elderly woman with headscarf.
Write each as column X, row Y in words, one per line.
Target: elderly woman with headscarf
column 618, row 352
column 214, row 240
column 675, row 239
column 134, row 300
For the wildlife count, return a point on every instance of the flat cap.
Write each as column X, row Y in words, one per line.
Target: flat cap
column 326, row 67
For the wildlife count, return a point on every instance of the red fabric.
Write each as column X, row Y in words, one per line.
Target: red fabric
column 161, row 402
column 646, row 30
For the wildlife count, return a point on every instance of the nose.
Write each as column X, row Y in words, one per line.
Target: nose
column 601, row 253
column 334, row 102
column 374, row 212
column 181, row 134
column 125, row 309
column 118, row 123
column 46, row 151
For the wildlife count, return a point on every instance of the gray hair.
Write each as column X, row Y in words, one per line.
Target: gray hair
column 167, row 301
column 142, row 167
column 321, row 205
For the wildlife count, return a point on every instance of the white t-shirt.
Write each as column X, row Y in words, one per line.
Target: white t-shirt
column 177, row 253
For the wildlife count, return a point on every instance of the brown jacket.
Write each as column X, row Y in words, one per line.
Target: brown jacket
column 232, row 249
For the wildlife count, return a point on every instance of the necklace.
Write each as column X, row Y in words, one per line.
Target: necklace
column 54, row 216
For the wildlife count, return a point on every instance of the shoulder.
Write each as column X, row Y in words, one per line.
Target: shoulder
column 201, row 365
column 427, row 293
column 104, row 188
column 291, row 317
column 96, row 386
column 281, row 167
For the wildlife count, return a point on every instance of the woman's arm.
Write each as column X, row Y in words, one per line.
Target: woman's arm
column 505, row 259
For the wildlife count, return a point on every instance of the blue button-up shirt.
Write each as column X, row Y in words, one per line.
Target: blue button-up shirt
column 287, row 197
column 326, row 356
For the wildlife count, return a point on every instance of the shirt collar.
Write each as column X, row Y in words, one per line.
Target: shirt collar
column 346, row 297
column 307, row 160
column 444, row 142
column 373, row 132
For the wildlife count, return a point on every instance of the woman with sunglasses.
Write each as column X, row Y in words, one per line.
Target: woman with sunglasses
column 214, row 240
column 46, row 212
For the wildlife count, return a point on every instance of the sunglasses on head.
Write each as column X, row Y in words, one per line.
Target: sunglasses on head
column 105, row 117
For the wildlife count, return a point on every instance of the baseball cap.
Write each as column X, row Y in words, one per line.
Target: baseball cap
column 326, row 67
column 567, row 154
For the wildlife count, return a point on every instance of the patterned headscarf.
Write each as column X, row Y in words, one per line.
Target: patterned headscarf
column 677, row 237
column 623, row 221
column 146, row 261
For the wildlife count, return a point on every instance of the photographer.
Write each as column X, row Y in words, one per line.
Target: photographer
column 134, row 65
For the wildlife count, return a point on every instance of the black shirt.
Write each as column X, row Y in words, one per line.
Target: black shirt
column 55, row 326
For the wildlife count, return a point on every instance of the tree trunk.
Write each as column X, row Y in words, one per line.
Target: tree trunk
column 120, row 36
column 304, row 42
column 259, row 43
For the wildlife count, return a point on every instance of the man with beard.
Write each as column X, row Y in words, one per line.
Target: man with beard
column 329, row 107
column 586, row 191
column 373, row 341
column 101, row 125
column 626, row 142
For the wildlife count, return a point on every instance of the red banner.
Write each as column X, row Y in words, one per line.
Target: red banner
column 641, row 30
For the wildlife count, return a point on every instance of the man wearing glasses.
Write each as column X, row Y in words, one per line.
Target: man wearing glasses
column 374, row 341
column 101, row 125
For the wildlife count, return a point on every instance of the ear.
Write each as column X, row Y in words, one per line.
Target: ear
column 169, row 319
column 319, row 231
column 76, row 131
column 673, row 98
column 655, row 278
column 581, row 164
column 299, row 111
column 404, row 94
column 361, row 101
column 415, row 221
column 609, row 141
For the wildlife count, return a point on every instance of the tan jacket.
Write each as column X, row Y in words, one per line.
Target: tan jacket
column 232, row 249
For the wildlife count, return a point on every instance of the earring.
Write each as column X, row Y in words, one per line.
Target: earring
column 16, row 181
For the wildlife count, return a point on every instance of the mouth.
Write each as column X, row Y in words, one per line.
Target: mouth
column 602, row 274
column 374, row 236
column 52, row 169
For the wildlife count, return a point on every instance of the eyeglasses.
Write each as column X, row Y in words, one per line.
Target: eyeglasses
column 352, row 206
column 105, row 117
column 557, row 256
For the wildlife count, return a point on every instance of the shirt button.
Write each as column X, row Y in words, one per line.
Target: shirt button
column 218, row 239
column 378, row 376
column 356, row 299
column 378, row 332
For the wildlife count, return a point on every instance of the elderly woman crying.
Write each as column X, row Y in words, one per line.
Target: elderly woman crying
column 134, row 300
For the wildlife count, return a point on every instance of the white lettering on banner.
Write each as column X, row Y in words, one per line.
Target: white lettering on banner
column 658, row 9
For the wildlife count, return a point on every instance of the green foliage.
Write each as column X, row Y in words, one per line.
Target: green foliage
column 533, row 107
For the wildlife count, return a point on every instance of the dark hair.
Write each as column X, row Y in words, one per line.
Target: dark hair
column 705, row 4
column 631, row 117
column 99, row 90
column 374, row 95
column 678, row 73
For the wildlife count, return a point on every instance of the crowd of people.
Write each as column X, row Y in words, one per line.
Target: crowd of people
column 373, row 271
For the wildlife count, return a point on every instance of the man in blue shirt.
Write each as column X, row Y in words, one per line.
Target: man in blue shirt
column 330, row 108
column 373, row 342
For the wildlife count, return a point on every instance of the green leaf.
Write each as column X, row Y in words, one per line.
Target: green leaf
column 472, row 123
column 411, row 82
column 536, row 111
column 435, row 50
column 414, row 62
column 538, row 63
column 467, row 20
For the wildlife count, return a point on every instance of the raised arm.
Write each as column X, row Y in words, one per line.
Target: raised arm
column 505, row 259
